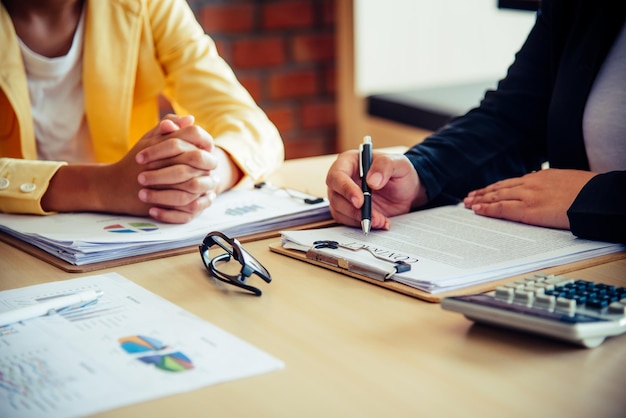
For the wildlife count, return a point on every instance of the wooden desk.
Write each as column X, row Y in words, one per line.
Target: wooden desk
column 352, row 349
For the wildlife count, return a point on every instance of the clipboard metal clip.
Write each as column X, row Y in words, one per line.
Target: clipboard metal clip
column 398, row 266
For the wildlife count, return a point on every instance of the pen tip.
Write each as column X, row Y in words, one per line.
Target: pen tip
column 365, row 226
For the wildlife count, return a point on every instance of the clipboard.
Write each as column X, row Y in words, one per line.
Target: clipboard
column 436, row 298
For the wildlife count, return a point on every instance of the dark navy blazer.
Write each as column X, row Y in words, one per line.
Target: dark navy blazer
column 535, row 115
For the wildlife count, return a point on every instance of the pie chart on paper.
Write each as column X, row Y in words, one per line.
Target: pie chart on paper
column 151, row 351
column 131, row 227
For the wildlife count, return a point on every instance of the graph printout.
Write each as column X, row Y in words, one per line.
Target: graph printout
column 128, row 347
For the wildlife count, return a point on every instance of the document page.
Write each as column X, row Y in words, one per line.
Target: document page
column 450, row 247
column 130, row 346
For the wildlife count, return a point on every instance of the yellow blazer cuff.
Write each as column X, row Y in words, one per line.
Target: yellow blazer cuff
column 23, row 184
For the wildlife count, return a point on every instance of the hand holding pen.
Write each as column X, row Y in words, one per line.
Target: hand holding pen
column 394, row 187
column 365, row 161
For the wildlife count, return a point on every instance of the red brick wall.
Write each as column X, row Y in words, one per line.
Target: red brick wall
column 283, row 52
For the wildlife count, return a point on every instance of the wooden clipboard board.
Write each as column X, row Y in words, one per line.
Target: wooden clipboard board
column 435, row 298
column 72, row 268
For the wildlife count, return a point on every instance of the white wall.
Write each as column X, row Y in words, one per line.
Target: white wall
column 404, row 44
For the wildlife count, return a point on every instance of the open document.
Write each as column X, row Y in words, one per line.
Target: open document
column 129, row 346
column 447, row 248
column 85, row 238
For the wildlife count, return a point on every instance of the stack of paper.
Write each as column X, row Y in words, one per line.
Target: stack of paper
column 85, row 238
column 451, row 247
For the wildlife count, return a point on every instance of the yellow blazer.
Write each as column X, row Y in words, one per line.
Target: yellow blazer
column 134, row 50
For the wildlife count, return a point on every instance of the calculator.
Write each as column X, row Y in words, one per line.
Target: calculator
column 578, row 311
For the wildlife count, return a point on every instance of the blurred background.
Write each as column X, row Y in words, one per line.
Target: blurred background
column 284, row 53
column 313, row 65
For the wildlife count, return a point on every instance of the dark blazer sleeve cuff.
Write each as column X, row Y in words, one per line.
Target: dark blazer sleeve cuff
column 599, row 210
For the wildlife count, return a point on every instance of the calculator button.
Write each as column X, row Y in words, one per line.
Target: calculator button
column 537, row 290
column 514, row 285
column 584, row 283
column 580, row 299
column 524, row 297
column 598, row 303
column 617, row 308
column 504, row 293
column 544, row 286
column 612, row 298
column 590, row 294
column 565, row 292
column 558, row 280
column 544, row 276
column 567, row 306
column 545, row 301
column 609, row 288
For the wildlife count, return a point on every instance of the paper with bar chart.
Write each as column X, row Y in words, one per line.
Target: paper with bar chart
column 129, row 346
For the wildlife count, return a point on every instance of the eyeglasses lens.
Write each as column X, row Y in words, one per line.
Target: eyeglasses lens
column 252, row 262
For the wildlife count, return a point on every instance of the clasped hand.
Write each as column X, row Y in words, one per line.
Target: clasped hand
column 167, row 174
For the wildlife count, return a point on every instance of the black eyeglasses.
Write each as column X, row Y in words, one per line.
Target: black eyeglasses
column 221, row 266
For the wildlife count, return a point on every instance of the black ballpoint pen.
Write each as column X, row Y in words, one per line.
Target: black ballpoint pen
column 365, row 161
